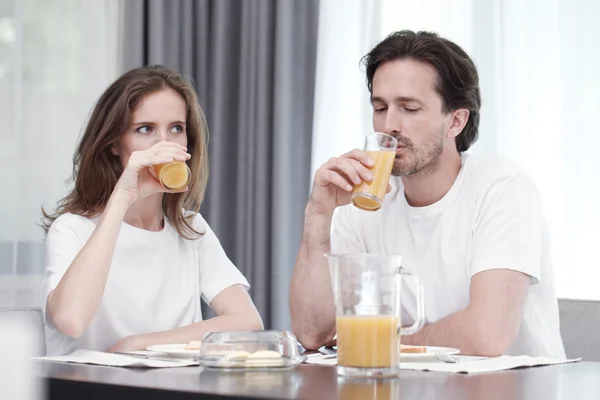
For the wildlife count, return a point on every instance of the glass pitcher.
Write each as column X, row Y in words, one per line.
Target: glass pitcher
column 366, row 290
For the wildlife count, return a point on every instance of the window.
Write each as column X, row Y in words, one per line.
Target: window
column 56, row 57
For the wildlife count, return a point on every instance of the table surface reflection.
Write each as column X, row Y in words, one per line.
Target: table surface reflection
column 569, row 381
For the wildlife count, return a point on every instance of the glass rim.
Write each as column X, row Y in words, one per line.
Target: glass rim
column 376, row 133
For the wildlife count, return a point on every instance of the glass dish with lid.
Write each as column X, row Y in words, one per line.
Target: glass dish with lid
column 250, row 351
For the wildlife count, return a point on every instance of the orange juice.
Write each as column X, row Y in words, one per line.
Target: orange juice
column 368, row 390
column 367, row 341
column 371, row 194
column 174, row 175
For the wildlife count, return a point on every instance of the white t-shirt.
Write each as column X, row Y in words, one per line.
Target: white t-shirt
column 155, row 281
column 491, row 218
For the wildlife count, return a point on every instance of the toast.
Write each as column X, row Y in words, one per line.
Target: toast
column 193, row 345
column 412, row 349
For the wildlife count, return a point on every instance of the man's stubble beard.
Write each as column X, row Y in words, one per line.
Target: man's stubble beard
column 423, row 160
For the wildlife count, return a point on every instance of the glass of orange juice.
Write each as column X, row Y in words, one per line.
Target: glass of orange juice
column 366, row 289
column 175, row 175
column 381, row 148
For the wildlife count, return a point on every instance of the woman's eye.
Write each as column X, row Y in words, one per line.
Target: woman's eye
column 177, row 129
column 144, row 129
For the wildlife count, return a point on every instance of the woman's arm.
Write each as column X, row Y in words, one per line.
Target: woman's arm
column 235, row 311
column 75, row 300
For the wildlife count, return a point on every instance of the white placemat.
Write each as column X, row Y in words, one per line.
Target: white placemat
column 117, row 360
column 468, row 367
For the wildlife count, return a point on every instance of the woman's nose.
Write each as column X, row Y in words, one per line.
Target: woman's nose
column 162, row 135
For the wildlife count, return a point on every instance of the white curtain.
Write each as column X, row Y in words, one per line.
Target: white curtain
column 56, row 57
column 538, row 65
column 342, row 115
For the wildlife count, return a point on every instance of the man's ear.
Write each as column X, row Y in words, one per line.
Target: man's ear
column 460, row 117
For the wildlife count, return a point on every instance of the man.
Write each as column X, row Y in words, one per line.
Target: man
column 471, row 227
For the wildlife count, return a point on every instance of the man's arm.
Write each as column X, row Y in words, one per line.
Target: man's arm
column 311, row 297
column 491, row 322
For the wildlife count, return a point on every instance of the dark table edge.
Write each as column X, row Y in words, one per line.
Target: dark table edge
column 58, row 388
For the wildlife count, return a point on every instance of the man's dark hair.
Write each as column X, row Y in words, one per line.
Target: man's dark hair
column 458, row 81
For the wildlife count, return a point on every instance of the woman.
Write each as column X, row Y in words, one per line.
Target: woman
column 125, row 265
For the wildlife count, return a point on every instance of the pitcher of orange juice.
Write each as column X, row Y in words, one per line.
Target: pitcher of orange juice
column 366, row 289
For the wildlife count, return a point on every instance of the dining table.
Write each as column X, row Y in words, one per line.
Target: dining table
column 80, row 381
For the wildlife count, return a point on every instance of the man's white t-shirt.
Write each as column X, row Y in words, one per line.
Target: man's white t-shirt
column 155, row 281
column 491, row 218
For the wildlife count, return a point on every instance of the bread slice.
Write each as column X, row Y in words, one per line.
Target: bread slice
column 237, row 355
column 412, row 349
column 265, row 354
column 264, row 358
column 193, row 345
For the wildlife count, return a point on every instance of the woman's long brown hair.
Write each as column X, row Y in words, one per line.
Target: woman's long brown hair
column 96, row 170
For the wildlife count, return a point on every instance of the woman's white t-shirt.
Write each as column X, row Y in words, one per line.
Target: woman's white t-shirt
column 155, row 281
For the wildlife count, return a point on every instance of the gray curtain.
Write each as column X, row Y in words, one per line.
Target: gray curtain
column 253, row 63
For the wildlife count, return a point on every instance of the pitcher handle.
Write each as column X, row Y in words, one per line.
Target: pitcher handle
column 420, row 320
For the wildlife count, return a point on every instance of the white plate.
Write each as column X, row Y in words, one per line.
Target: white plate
column 174, row 350
column 427, row 356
